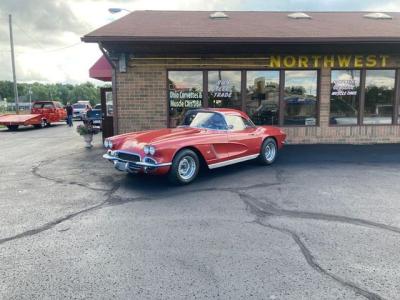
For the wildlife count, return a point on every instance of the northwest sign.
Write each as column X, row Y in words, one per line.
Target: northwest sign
column 328, row 61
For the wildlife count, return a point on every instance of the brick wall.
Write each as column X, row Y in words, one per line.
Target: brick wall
column 141, row 98
column 142, row 102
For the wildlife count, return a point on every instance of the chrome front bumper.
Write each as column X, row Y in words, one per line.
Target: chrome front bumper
column 147, row 166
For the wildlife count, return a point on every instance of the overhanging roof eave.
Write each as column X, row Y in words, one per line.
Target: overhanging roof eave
column 240, row 40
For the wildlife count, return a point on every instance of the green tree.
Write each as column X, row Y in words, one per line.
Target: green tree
column 59, row 91
column 86, row 91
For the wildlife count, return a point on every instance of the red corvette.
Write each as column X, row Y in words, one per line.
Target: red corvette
column 213, row 137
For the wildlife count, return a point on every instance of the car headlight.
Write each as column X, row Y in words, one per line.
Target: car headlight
column 152, row 150
column 148, row 149
column 108, row 144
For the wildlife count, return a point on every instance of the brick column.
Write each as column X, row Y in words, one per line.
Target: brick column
column 325, row 92
column 142, row 98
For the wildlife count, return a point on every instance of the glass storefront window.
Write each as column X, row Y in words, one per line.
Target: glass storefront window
column 185, row 91
column 224, row 89
column 262, row 97
column 379, row 96
column 300, row 98
column 345, row 95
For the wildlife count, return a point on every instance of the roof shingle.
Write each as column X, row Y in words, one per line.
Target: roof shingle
column 257, row 26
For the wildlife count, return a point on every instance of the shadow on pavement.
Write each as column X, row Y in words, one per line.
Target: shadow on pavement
column 328, row 154
column 291, row 155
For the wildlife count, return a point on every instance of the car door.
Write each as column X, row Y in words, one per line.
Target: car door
column 244, row 138
column 60, row 112
column 49, row 112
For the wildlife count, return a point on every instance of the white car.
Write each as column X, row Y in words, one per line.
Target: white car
column 79, row 110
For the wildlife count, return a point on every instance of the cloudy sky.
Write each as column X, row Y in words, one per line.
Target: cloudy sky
column 47, row 32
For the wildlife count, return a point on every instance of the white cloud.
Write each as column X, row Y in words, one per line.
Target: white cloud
column 43, row 25
column 34, row 40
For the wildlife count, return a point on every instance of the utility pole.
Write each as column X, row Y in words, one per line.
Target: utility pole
column 13, row 65
column 30, row 98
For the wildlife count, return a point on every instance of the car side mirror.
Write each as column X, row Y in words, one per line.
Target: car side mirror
column 230, row 127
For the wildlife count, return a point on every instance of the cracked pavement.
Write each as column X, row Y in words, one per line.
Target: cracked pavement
column 322, row 223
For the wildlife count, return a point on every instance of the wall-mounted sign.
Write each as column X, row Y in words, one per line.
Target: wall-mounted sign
column 181, row 99
column 179, row 95
column 328, row 61
column 344, row 88
column 222, row 90
column 185, row 103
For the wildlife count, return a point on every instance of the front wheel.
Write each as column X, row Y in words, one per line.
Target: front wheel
column 185, row 167
column 268, row 152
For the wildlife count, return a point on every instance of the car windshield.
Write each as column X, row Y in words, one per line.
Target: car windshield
column 208, row 120
column 38, row 105
column 79, row 105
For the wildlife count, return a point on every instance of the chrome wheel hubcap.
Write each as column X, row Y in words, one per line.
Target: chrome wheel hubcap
column 270, row 152
column 187, row 167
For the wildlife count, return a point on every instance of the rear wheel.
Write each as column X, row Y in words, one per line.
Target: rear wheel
column 185, row 167
column 268, row 152
column 12, row 127
column 41, row 125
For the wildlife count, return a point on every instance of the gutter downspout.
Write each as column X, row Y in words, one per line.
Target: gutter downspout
column 114, row 88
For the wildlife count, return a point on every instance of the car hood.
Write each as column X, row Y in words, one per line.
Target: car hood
column 155, row 137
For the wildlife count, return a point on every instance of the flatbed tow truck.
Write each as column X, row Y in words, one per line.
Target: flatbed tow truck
column 43, row 113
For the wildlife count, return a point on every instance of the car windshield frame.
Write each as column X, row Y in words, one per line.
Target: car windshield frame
column 206, row 120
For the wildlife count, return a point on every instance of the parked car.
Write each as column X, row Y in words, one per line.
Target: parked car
column 212, row 137
column 93, row 116
column 79, row 110
column 43, row 113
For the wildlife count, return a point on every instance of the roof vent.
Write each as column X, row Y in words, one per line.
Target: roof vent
column 219, row 15
column 378, row 16
column 299, row 15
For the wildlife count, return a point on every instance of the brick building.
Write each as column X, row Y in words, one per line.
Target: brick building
column 324, row 77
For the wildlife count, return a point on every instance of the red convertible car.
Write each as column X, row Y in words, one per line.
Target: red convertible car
column 212, row 137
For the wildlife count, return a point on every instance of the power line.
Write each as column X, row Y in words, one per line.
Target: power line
column 63, row 48
column 30, row 37
column 39, row 44
column 44, row 51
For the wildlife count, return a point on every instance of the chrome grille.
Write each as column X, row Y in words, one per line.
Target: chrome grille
column 128, row 156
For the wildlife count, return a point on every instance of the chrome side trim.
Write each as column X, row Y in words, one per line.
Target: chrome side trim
column 233, row 161
column 145, row 164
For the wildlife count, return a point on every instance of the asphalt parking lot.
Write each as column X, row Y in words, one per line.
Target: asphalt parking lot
column 322, row 223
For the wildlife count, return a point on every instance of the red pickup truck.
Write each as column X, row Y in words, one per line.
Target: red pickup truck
column 43, row 113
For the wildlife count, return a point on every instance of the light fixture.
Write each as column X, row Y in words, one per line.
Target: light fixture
column 299, row 15
column 378, row 16
column 115, row 10
column 219, row 15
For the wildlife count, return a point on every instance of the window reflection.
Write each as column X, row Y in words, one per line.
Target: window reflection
column 109, row 104
column 185, row 91
column 379, row 96
column 224, row 89
column 345, row 95
column 262, row 97
column 300, row 98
